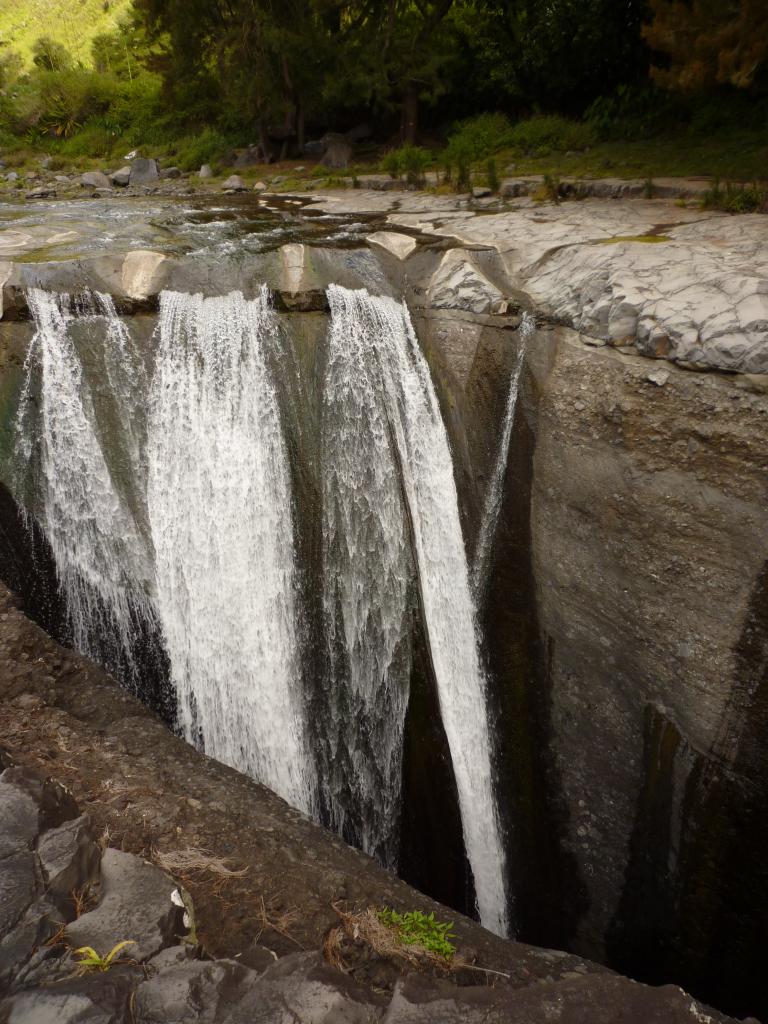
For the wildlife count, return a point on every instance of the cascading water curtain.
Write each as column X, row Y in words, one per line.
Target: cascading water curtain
column 219, row 501
column 367, row 593
column 102, row 561
column 493, row 498
column 386, row 345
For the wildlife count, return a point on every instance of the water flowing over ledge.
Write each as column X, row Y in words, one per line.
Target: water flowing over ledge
column 168, row 503
column 219, row 502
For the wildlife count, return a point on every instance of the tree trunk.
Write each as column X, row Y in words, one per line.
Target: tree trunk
column 300, row 129
column 410, row 122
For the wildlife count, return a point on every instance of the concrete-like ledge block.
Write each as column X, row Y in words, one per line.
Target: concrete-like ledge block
column 143, row 273
column 393, row 242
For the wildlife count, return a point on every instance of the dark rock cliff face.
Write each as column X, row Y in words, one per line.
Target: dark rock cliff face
column 626, row 627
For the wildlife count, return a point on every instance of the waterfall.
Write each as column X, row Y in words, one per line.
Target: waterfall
column 219, row 501
column 102, row 562
column 495, row 493
column 367, row 590
column 390, row 350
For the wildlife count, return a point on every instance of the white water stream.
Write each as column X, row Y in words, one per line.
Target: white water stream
column 382, row 329
column 367, row 590
column 102, row 562
column 219, row 500
column 495, row 493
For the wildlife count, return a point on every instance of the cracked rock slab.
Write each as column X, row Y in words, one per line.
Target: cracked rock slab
column 135, row 905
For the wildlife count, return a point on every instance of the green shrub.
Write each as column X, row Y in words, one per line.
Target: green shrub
column 736, row 198
column 207, row 147
column 411, row 161
column 633, row 111
column 540, row 136
column 477, row 138
column 391, row 163
column 492, row 175
column 417, row 929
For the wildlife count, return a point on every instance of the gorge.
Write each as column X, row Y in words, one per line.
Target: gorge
column 449, row 526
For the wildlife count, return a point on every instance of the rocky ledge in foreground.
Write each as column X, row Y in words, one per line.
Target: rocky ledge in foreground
column 229, row 899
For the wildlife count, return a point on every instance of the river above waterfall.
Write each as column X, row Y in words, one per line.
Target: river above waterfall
column 211, row 226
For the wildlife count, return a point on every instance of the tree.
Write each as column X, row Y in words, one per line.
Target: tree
column 555, row 54
column 708, row 42
column 51, row 55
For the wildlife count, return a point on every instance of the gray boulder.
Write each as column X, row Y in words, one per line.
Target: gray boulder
column 12, row 176
column 589, row 999
column 206, row 171
column 46, row 852
column 338, row 153
column 95, row 179
column 42, row 192
column 144, row 172
column 234, row 183
column 171, row 172
column 299, row 987
column 96, row 999
column 135, row 904
column 122, row 177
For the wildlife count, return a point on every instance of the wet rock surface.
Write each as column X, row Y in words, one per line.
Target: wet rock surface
column 135, row 781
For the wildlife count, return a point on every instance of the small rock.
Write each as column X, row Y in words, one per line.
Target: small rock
column 234, row 183
column 658, row 377
column 132, row 155
column 206, row 171
column 260, row 186
column 480, row 192
column 95, row 179
column 122, row 177
column 12, row 176
column 44, row 192
column 171, row 172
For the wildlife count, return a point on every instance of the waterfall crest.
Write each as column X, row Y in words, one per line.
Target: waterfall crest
column 423, row 454
column 219, row 502
column 495, row 493
column 102, row 560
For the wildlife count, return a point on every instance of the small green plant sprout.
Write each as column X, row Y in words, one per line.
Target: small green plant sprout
column 420, row 930
column 91, row 962
column 492, row 175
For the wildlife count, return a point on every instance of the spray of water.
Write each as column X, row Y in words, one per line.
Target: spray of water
column 102, row 562
column 219, row 501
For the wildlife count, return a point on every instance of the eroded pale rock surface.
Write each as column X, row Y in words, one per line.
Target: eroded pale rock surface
column 393, row 242
column 676, row 283
column 458, row 283
column 142, row 273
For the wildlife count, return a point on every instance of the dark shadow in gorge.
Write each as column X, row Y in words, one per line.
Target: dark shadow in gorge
column 548, row 897
column 695, row 904
column 432, row 855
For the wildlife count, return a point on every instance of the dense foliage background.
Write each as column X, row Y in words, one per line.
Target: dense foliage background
column 199, row 76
